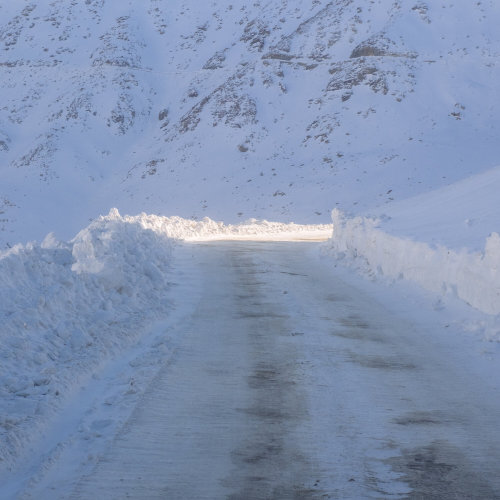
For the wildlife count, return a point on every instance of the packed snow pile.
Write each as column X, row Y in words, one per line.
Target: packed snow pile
column 66, row 307
column 208, row 229
column 460, row 215
column 472, row 276
column 446, row 240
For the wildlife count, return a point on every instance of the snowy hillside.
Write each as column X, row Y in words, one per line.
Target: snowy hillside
column 459, row 216
column 280, row 110
column 381, row 116
column 447, row 240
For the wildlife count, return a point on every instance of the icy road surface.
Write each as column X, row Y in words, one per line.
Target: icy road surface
column 287, row 382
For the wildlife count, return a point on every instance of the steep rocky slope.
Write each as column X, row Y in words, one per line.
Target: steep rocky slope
column 280, row 109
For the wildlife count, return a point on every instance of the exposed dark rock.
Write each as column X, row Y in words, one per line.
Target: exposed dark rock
column 163, row 114
column 255, row 33
column 367, row 51
column 216, row 61
column 348, row 76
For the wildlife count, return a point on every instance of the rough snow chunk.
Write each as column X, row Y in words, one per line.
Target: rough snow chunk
column 472, row 277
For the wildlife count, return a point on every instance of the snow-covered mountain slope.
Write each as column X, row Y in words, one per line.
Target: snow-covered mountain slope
column 459, row 216
column 280, row 110
column 446, row 240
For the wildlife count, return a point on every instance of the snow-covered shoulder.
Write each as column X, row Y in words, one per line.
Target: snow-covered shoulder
column 66, row 307
column 210, row 230
column 446, row 241
column 460, row 215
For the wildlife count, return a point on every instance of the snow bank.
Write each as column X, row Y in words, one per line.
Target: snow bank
column 460, row 215
column 208, row 229
column 66, row 307
column 472, row 277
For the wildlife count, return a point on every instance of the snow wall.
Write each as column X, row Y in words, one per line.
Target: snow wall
column 67, row 307
column 472, row 277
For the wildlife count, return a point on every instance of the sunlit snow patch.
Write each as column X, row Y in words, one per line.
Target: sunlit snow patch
column 210, row 230
column 65, row 307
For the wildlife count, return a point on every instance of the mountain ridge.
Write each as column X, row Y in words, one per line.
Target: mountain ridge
column 272, row 110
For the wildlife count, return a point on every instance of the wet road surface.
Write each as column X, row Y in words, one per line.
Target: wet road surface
column 290, row 383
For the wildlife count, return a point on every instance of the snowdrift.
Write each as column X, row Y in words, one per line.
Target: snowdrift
column 209, row 230
column 460, row 215
column 471, row 276
column 67, row 307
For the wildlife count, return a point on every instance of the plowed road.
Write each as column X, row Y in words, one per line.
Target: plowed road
column 287, row 382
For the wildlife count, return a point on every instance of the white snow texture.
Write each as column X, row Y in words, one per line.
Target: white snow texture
column 67, row 306
column 472, row 277
column 433, row 240
column 272, row 109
